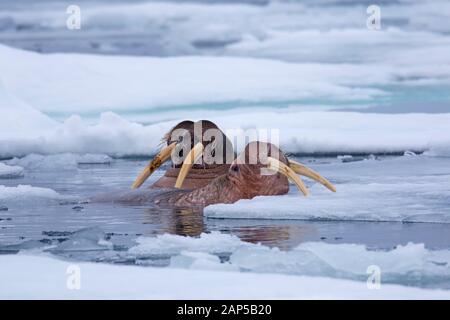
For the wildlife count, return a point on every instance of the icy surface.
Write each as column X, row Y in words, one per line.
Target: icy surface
column 26, row 195
column 122, row 83
column 59, row 161
column 410, row 264
column 43, row 219
column 299, row 132
column 407, row 189
column 239, row 94
column 102, row 281
column 282, row 29
column 10, row 172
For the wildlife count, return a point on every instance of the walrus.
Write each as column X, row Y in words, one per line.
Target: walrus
column 261, row 169
column 208, row 148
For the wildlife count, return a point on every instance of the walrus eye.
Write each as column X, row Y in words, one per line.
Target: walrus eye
column 235, row 168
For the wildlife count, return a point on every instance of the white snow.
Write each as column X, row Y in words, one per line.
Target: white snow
column 411, row 264
column 68, row 161
column 10, row 172
column 214, row 242
column 289, row 30
column 18, row 120
column 111, row 83
column 34, row 277
column 168, row 90
column 299, row 132
column 410, row 188
column 27, row 195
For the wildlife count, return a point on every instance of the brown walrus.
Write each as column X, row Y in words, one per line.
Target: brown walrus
column 201, row 141
column 260, row 170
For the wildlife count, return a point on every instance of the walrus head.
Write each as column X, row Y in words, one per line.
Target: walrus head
column 199, row 151
column 260, row 170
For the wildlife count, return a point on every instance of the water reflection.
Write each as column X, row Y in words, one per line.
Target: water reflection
column 180, row 221
column 191, row 222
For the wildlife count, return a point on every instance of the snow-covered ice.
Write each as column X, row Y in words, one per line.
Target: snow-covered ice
column 58, row 161
column 26, row 195
column 299, row 132
column 248, row 90
column 411, row 264
column 412, row 189
column 99, row 281
column 10, row 172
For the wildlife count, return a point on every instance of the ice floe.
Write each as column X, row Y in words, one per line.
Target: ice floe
column 249, row 89
column 10, row 172
column 299, row 132
column 25, row 195
column 411, row 264
column 59, row 161
column 407, row 189
column 102, row 281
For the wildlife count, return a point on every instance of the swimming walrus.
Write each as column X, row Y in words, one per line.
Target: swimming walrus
column 261, row 169
column 210, row 149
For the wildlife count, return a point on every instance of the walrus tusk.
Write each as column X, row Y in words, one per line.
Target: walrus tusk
column 307, row 172
column 276, row 165
column 188, row 162
column 157, row 161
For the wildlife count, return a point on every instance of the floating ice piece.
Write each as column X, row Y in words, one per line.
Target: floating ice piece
column 27, row 191
column 25, row 195
column 88, row 239
column 10, row 172
column 64, row 161
column 408, row 189
column 91, row 158
column 408, row 153
column 199, row 260
column 214, row 242
column 101, row 281
column 411, row 264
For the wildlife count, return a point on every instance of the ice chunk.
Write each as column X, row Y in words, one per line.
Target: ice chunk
column 64, row 161
column 88, row 239
column 101, row 281
column 24, row 195
column 411, row 264
column 22, row 191
column 409, row 189
column 10, row 172
column 91, row 158
column 214, row 242
column 199, row 260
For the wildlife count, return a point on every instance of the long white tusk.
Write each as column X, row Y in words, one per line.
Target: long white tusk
column 188, row 162
column 280, row 167
column 157, row 161
column 307, row 172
